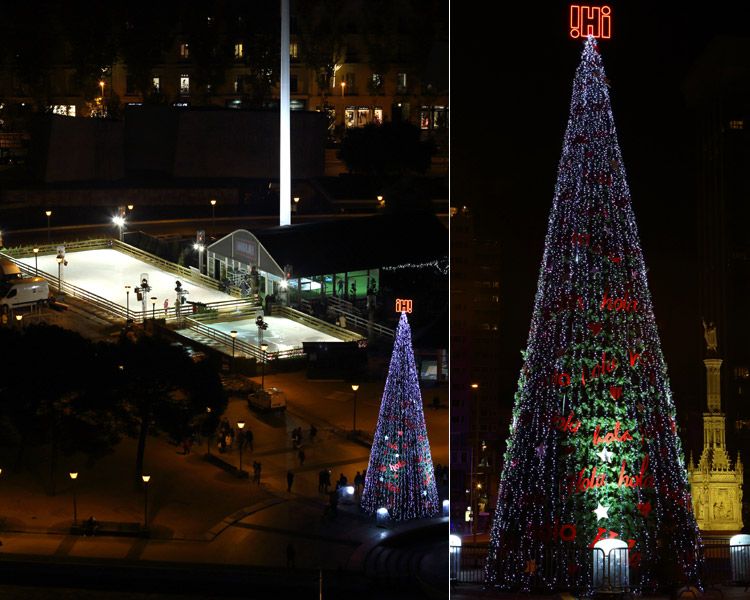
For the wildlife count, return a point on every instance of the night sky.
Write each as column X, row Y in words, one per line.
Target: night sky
column 511, row 80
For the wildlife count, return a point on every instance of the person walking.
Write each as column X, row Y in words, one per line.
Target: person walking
column 322, row 481
column 166, row 307
column 301, row 456
column 249, row 439
column 359, row 482
column 289, row 480
column 290, row 553
column 256, row 472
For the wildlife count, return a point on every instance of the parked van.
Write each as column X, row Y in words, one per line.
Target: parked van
column 23, row 292
column 270, row 399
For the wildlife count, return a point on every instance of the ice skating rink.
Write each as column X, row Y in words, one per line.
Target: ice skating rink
column 106, row 272
column 282, row 334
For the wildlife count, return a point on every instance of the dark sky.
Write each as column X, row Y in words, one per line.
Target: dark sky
column 511, row 79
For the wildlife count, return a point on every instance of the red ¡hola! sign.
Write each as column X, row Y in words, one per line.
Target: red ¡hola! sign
column 403, row 305
column 590, row 20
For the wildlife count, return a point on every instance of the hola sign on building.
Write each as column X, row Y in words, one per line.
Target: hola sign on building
column 590, row 20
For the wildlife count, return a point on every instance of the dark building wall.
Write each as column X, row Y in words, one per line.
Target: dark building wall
column 80, row 149
column 176, row 144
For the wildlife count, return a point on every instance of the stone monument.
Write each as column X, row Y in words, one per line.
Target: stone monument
column 715, row 484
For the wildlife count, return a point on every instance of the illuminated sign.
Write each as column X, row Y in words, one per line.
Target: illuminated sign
column 403, row 305
column 590, row 20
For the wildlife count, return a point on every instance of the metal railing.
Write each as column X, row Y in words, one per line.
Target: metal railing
column 240, row 347
column 612, row 572
column 315, row 323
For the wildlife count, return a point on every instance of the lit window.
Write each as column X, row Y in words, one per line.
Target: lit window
column 737, row 124
column 239, row 50
column 293, row 50
column 184, row 50
column 68, row 110
column 156, row 84
column 184, row 84
column 401, row 81
column 377, row 80
column 377, row 116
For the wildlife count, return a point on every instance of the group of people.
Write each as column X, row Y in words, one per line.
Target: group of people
column 227, row 436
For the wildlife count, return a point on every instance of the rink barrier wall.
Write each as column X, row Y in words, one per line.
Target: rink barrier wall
column 240, row 346
column 315, row 323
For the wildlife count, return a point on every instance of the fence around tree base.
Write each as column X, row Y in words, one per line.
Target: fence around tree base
column 723, row 565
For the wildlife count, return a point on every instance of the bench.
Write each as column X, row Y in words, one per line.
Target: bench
column 110, row 528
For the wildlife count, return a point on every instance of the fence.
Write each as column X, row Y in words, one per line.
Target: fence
column 605, row 572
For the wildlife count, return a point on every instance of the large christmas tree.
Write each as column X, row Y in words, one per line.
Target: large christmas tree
column 400, row 476
column 593, row 451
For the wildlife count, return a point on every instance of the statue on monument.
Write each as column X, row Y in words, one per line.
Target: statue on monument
column 709, row 333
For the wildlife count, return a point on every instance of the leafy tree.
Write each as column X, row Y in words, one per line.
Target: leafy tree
column 62, row 408
column 161, row 389
column 144, row 34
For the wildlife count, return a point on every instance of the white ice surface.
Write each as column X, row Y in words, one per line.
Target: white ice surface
column 282, row 334
column 106, row 273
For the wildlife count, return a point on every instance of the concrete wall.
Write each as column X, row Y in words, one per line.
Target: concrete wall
column 166, row 143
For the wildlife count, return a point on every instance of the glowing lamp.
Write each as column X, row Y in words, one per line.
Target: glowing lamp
column 611, row 564
column 382, row 516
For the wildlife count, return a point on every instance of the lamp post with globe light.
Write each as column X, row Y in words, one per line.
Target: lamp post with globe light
column 263, row 349
column 49, row 234
column 74, row 478
column 355, row 387
column 146, row 479
column 241, row 426
column 36, row 259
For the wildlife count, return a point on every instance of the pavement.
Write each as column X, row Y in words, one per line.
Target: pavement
column 205, row 517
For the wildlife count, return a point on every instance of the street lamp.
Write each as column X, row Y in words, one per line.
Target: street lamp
column 355, row 387
column 119, row 220
column 241, row 426
column 127, row 303
column 60, row 258
column 19, row 319
column 343, row 87
column 153, row 308
column 74, row 477
column 146, row 479
column 131, row 206
column 213, row 215
column 473, row 495
column 36, row 263
column 263, row 348
column 381, row 201
column 49, row 214
column 101, row 85
column 233, row 333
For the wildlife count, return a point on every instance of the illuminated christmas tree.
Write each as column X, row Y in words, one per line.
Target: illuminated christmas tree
column 400, row 476
column 593, row 451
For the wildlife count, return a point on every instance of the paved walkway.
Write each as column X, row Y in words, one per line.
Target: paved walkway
column 199, row 513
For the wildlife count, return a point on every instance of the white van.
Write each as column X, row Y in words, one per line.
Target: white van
column 23, row 292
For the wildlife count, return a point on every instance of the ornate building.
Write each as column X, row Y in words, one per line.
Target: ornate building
column 716, row 485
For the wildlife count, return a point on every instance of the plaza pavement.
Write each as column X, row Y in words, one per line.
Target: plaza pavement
column 199, row 513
